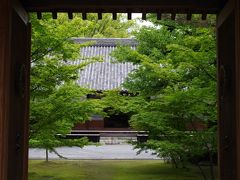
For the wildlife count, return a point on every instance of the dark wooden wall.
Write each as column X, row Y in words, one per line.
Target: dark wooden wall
column 229, row 90
column 237, row 52
column 19, row 99
column 90, row 125
column 4, row 88
column 14, row 93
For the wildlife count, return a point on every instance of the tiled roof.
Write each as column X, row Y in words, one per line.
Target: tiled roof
column 104, row 75
column 112, row 42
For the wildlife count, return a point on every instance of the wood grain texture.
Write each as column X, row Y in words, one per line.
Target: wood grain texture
column 3, row 104
column 4, row 88
column 13, row 107
column 227, row 99
column 229, row 91
column 237, row 50
column 19, row 99
column 27, row 100
column 123, row 6
column 20, row 11
column 225, row 12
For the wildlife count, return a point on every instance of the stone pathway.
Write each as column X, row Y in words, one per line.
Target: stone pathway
column 124, row 151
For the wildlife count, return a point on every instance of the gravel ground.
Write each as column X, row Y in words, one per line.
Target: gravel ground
column 94, row 152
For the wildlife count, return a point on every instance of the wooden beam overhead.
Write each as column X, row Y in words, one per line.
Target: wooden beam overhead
column 39, row 15
column 173, row 16
column 70, row 15
column 159, row 16
column 189, row 16
column 144, row 16
column 84, row 16
column 129, row 16
column 204, row 16
column 54, row 15
column 99, row 16
column 124, row 6
column 114, row 16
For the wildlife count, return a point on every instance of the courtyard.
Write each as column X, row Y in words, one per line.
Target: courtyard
column 109, row 170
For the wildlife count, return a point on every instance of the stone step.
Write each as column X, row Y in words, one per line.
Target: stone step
column 116, row 140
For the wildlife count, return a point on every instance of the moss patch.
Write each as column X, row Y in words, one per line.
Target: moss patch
column 109, row 170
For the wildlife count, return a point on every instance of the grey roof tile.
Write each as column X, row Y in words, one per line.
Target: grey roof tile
column 104, row 75
column 107, row 41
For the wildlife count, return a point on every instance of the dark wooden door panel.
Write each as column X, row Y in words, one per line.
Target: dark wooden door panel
column 19, row 99
column 4, row 74
column 227, row 102
column 229, row 90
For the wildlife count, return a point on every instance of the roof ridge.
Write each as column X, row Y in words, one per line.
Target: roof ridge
column 107, row 41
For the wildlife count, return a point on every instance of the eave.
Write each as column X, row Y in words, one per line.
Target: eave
column 125, row 6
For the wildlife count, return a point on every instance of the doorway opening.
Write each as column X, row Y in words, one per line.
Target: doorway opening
column 109, row 121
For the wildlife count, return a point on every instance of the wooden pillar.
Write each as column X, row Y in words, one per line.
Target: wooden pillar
column 14, row 93
column 5, row 14
column 237, row 50
column 228, row 33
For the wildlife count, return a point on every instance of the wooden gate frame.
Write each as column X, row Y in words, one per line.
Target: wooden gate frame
column 14, row 90
column 15, row 65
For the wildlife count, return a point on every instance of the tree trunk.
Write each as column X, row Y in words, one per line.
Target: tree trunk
column 46, row 154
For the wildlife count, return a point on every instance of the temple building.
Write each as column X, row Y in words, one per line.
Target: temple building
column 15, row 48
column 103, row 76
